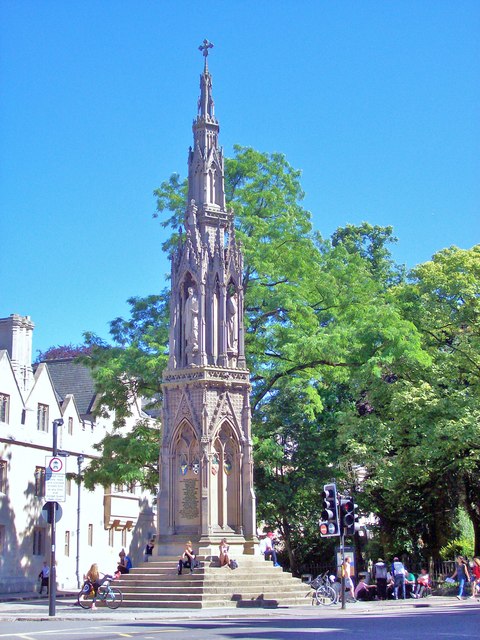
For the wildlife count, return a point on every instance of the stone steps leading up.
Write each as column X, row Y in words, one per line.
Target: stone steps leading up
column 254, row 583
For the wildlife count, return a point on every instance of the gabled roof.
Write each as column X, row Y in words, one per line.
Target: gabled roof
column 71, row 377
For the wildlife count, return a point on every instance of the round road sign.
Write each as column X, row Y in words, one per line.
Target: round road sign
column 56, row 465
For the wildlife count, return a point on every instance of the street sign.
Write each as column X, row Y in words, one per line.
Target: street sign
column 47, row 512
column 55, row 480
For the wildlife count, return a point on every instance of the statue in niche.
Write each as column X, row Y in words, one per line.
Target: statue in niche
column 191, row 324
column 192, row 216
column 232, row 333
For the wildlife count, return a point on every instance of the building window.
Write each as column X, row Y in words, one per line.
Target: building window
column 40, row 482
column 39, row 541
column 70, row 426
column 67, row 543
column 2, row 539
column 3, row 476
column 124, row 537
column 111, row 536
column 42, row 417
column 4, row 407
column 90, row 535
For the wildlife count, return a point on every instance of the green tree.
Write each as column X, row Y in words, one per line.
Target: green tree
column 319, row 317
column 418, row 433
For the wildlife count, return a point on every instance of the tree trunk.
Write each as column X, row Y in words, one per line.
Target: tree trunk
column 286, row 532
column 472, row 491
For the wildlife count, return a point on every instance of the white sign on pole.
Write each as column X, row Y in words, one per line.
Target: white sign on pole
column 55, row 480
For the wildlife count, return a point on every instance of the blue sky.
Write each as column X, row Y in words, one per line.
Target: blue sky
column 377, row 102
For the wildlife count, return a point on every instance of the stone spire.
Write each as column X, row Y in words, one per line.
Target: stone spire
column 207, row 295
column 205, row 161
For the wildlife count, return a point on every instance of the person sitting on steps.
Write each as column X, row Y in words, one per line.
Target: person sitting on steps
column 224, row 555
column 267, row 548
column 187, row 560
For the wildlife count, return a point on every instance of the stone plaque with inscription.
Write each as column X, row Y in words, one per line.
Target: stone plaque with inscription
column 189, row 505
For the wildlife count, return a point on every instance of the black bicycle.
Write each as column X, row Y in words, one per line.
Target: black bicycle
column 112, row 596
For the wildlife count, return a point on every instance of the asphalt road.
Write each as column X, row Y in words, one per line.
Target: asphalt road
column 455, row 623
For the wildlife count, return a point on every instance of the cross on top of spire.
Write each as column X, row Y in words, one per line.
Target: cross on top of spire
column 204, row 47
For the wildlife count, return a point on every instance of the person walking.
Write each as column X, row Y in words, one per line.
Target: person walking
column 398, row 572
column 347, row 574
column 380, row 575
column 461, row 575
column 44, row 576
column 475, row 576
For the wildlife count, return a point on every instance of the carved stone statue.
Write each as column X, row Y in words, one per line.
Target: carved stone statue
column 232, row 332
column 191, row 324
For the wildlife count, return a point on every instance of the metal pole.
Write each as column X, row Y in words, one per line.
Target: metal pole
column 52, row 585
column 342, row 545
column 80, row 459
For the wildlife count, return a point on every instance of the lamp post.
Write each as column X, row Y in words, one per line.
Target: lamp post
column 53, row 508
column 80, row 460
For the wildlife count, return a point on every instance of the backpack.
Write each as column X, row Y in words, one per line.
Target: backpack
column 233, row 564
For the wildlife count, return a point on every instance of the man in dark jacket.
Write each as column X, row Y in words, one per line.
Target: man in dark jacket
column 380, row 575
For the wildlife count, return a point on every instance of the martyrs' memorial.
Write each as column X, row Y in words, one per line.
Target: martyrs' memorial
column 206, row 468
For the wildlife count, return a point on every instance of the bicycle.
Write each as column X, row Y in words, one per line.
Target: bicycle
column 323, row 592
column 112, row 596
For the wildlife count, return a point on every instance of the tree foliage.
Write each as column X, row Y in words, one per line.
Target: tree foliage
column 357, row 370
column 63, row 351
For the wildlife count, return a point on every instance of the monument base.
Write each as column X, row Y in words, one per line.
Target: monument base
column 207, row 547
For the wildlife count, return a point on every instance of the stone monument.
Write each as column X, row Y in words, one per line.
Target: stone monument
column 206, row 468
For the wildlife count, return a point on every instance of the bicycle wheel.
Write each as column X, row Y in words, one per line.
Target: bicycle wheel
column 84, row 599
column 325, row 595
column 114, row 598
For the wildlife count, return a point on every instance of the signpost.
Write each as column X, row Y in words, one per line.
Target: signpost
column 55, row 490
column 55, row 479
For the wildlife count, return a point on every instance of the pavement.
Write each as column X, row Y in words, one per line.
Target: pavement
column 31, row 606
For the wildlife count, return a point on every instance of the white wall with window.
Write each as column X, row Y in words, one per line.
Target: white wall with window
column 24, row 535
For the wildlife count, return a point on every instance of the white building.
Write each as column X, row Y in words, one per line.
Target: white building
column 94, row 525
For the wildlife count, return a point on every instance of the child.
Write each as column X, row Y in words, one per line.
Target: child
column 423, row 582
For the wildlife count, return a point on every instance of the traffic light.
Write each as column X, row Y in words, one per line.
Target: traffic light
column 329, row 525
column 348, row 517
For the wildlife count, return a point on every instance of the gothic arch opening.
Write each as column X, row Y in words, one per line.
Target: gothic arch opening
column 185, row 456
column 226, row 485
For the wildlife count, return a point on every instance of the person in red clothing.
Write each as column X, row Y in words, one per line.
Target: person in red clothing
column 475, row 576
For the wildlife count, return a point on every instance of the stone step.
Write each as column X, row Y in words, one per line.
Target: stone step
column 207, row 597
column 196, row 580
column 214, row 604
column 209, row 590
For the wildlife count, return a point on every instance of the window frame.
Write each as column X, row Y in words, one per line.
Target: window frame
column 42, row 417
column 39, row 541
column 40, row 477
column 3, row 476
column 4, row 407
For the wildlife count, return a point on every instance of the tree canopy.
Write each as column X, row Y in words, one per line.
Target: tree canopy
column 359, row 370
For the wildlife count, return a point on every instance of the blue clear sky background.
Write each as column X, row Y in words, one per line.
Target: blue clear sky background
column 377, row 102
